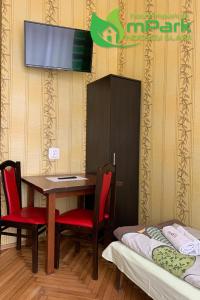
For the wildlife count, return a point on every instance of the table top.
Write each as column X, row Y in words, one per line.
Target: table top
column 43, row 185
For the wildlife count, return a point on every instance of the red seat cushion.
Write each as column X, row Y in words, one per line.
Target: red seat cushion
column 29, row 215
column 77, row 217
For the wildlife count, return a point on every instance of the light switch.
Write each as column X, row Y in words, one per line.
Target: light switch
column 54, row 153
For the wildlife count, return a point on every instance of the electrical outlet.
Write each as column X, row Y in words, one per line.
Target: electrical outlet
column 54, row 153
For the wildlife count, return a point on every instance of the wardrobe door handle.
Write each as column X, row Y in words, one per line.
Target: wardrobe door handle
column 114, row 159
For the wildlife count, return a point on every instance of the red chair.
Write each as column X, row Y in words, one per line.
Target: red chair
column 31, row 218
column 84, row 221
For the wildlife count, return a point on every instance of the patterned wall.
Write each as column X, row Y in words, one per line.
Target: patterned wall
column 41, row 108
column 184, row 122
column 146, row 126
column 90, row 9
column 122, row 52
column 49, row 96
column 5, row 86
column 5, row 77
column 170, row 136
column 159, row 200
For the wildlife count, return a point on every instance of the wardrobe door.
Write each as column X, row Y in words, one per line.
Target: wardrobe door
column 113, row 117
column 98, row 124
column 125, row 116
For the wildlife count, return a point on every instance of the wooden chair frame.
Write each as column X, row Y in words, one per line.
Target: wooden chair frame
column 97, row 226
column 34, row 229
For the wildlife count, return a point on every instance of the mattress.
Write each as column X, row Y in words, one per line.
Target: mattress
column 153, row 280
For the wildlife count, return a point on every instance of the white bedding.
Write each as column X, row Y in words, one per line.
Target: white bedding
column 155, row 281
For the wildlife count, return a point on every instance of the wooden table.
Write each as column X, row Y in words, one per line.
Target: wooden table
column 53, row 190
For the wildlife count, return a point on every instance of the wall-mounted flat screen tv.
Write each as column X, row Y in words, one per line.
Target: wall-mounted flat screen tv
column 56, row 47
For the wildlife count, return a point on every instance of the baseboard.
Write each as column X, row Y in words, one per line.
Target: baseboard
column 13, row 245
column 8, row 246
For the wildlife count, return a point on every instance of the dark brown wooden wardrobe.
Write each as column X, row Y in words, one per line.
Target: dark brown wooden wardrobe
column 112, row 134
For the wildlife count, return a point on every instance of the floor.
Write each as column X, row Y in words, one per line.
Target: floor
column 72, row 281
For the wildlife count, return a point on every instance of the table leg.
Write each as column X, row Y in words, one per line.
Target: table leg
column 80, row 201
column 30, row 193
column 50, row 233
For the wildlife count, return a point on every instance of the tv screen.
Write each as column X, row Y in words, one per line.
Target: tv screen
column 56, row 47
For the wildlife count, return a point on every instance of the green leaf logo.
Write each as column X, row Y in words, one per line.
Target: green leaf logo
column 109, row 33
column 114, row 20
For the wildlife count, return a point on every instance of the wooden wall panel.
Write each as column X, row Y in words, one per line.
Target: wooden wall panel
column 35, row 10
column 146, row 124
column 113, row 52
column 33, row 122
column 6, row 50
column 169, row 139
column 103, row 66
column 134, row 60
column 33, row 86
column 65, row 98
column 158, row 118
column 129, row 65
column 184, row 122
column 194, row 201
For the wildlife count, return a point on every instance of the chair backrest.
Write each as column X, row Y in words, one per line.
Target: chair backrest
column 11, row 180
column 105, row 193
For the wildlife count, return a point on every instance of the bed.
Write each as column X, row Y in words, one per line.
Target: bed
column 152, row 279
